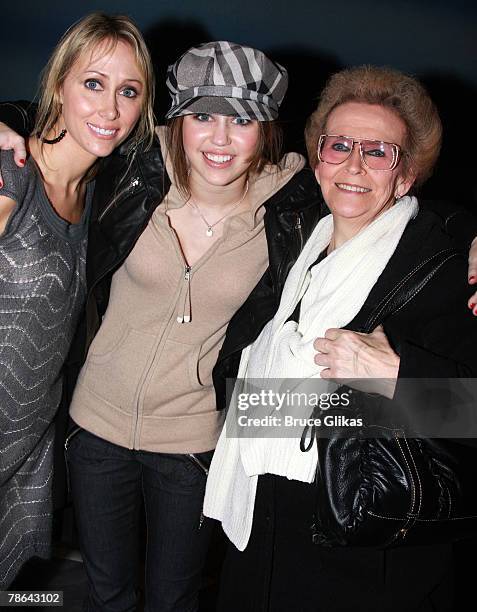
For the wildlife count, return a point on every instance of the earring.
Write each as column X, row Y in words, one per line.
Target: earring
column 52, row 141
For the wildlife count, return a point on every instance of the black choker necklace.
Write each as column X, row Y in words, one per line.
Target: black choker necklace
column 61, row 135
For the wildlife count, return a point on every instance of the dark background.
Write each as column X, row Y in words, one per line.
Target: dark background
column 435, row 40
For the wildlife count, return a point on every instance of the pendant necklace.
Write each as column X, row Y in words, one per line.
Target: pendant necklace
column 210, row 226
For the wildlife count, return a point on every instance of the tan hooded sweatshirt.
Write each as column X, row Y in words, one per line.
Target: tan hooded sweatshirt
column 147, row 381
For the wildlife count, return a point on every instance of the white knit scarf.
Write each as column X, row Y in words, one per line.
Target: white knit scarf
column 332, row 294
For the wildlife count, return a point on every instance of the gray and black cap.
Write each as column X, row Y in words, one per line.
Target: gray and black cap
column 227, row 79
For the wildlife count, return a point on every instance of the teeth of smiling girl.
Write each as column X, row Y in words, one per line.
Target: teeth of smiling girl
column 101, row 131
column 218, row 159
column 353, row 188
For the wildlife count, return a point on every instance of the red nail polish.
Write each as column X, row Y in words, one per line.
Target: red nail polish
column 471, row 306
column 22, row 161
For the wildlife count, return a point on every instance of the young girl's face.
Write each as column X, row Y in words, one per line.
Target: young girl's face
column 219, row 148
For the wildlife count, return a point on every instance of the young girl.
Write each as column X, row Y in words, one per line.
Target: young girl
column 144, row 403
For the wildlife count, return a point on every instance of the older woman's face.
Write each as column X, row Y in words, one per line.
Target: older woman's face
column 352, row 190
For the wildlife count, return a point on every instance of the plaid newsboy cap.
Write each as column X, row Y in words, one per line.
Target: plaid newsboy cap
column 228, row 79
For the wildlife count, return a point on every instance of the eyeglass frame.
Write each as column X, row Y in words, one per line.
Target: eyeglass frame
column 397, row 151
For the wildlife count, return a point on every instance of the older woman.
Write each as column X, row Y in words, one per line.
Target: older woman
column 375, row 135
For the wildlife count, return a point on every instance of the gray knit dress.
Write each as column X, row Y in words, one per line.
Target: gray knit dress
column 42, row 292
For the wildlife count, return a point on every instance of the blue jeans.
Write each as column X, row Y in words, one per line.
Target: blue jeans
column 110, row 486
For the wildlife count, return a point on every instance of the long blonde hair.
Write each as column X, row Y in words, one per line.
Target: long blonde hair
column 81, row 37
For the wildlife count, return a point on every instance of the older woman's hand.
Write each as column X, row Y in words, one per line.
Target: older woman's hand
column 11, row 140
column 473, row 275
column 352, row 355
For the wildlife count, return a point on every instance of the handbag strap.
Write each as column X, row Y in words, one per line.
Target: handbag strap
column 407, row 288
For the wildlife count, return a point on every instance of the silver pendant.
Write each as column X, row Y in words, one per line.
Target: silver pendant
column 209, row 232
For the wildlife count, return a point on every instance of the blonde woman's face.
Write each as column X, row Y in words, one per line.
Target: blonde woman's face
column 351, row 189
column 102, row 98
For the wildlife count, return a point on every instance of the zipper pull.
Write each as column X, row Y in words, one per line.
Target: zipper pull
column 403, row 532
column 299, row 231
column 185, row 317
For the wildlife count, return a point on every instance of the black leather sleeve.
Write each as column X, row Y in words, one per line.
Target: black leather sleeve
column 458, row 222
column 19, row 115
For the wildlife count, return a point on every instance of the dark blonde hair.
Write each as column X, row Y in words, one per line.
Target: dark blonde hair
column 268, row 151
column 82, row 37
column 391, row 89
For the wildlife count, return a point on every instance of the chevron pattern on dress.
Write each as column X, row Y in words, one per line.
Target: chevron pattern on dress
column 42, row 290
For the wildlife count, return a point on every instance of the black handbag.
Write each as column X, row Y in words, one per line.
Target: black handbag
column 389, row 489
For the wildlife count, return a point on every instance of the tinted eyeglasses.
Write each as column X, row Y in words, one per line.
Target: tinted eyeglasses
column 375, row 154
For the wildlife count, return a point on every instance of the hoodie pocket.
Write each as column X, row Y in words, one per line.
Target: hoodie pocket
column 102, row 348
column 113, row 371
column 174, row 384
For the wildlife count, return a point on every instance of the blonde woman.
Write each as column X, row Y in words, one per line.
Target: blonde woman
column 96, row 89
